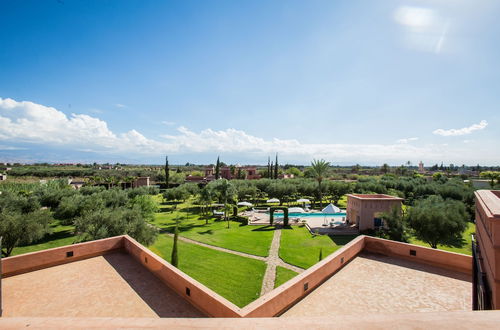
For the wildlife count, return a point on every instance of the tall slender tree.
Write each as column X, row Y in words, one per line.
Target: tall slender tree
column 217, row 169
column 175, row 258
column 272, row 171
column 320, row 168
column 276, row 167
column 167, row 171
column 268, row 167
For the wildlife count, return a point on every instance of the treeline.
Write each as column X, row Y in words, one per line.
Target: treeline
column 26, row 213
column 409, row 188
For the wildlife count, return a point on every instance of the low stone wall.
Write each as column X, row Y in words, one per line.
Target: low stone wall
column 283, row 297
column 193, row 291
column 448, row 260
column 47, row 258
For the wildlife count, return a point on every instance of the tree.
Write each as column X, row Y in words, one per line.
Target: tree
column 437, row 221
column 269, row 167
column 272, row 171
column 226, row 192
column 320, row 254
column 276, row 168
column 385, row 168
column 217, row 169
column 167, row 172
column 21, row 221
column 395, row 222
column 205, row 199
column 320, row 168
column 175, row 258
column 17, row 228
column 492, row 176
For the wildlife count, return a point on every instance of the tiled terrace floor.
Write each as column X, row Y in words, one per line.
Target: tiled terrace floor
column 379, row 284
column 113, row 285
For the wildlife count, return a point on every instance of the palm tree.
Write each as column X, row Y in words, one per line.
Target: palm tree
column 319, row 168
column 227, row 192
column 205, row 199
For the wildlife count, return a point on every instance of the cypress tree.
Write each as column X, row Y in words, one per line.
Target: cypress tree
column 217, row 168
column 268, row 167
column 320, row 254
column 167, row 171
column 272, row 171
column 276, row 167
column 175, row 258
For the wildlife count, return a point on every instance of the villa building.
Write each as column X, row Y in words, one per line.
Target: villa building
column 142, row 181
column 3, row 177
column 364, row 210
column 486, row 250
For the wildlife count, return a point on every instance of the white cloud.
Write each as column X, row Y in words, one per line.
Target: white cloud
column 28, row 122
column 168, row 123
column 119, row 105
column 407, row 140
column 461, row 131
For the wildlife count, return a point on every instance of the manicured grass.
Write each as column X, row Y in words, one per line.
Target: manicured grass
column 236, row 278
column 300, row 248
column 61, row 235
column 254, row 240
column 283, row 275
column 466, row 247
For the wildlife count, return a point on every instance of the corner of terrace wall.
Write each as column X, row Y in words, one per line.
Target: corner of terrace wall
column 203, row 298
column 280, row 299
column 32, row 261
column 443, row 259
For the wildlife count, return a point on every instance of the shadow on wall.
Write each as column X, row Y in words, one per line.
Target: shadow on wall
column 162, row 300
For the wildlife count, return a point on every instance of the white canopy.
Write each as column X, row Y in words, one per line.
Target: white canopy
column 303, row 200
column 245, row 204
column 330, row 208
column 296, row 210
column 273, row 200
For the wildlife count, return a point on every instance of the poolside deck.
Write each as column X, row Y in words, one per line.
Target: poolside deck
column 112, row 285
column 373, row 283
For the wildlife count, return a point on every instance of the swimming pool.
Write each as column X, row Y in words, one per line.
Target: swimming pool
column 310, row 215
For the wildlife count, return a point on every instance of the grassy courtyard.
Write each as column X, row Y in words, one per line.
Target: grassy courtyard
column 283, row 275
column 238, row 237
column 220, row 271
column 300, row 248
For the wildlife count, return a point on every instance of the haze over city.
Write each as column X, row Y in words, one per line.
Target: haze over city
column 350, row 82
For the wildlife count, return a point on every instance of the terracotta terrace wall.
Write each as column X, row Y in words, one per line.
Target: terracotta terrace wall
column 283, row 297
column 448, row 260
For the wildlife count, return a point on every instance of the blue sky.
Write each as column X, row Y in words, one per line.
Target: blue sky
column 349, row 81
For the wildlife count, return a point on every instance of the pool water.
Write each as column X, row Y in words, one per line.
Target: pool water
column 311, row 215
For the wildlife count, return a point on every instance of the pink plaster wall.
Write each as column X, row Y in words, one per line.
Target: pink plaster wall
column 443, row 259
column 488, row 238
column 47, row 258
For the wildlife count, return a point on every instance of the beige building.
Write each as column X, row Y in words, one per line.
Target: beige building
column 364, row 210
column 486, row 250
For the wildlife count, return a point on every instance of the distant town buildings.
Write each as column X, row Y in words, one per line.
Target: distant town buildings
column 421, row 168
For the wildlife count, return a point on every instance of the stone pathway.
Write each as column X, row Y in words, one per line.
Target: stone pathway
column 272, row 260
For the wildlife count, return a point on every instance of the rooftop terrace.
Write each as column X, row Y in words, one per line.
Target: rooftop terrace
column 374, row 283
column 112, row 285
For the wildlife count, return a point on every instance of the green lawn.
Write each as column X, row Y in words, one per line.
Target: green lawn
column 236, row 278
column 61, row 235
column 466, row 247
column 283, row 275
column 300, row 248
column 238, row 237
